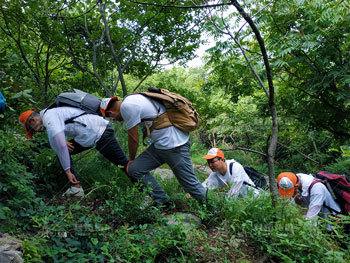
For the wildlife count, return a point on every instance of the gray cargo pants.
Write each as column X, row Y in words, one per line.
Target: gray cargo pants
column 178, row 159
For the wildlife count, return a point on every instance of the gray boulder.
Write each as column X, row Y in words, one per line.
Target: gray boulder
column 9, row 249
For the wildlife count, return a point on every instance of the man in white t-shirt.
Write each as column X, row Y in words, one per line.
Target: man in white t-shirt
column 227, row 174
column 168, row 145
column 318, row 200
column 87, row 131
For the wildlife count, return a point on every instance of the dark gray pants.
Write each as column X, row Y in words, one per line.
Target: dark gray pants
column 107, row 145
column 178, row 159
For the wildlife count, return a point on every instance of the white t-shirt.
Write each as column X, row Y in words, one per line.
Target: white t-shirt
column 236, row 179
column 136, row 108
column 57, row 130
column 319, row 196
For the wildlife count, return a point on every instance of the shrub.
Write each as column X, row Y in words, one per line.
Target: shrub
column 282, row 233
column 17, row 197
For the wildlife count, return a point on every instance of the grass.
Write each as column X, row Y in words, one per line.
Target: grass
column 113, row 224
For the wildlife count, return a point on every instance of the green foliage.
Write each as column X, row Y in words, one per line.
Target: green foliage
column 156, row 243
column 17, row 197
column 117, row 228
column 307, row 43
column 341, row 166
column 287, row 236
column 314, row 49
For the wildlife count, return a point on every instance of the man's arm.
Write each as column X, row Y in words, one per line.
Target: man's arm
column 133, row 142
column 59, row 145
column 211, row 182
column 317, row 198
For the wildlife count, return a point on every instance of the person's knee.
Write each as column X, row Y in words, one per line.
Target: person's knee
column 134, row 172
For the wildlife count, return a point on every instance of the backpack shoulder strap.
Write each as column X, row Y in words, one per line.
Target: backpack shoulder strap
column 71, row 120
column 231, row 166
column 324, row 205
column 230, row 169
column 312, row 185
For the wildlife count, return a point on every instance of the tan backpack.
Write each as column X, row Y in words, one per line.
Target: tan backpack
column 179, row 111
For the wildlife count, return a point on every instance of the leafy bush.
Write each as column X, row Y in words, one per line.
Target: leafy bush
column 115, row 230
column 282, row 233
column 341, row 166
column 17, row 197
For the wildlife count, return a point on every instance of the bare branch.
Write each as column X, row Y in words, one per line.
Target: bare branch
column 273, row 144
column 244, row 149
column 115, row 56
column 307, row 157
column 148, row 73
column 228, row 32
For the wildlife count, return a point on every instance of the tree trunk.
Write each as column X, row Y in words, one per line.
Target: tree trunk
column 272, row 147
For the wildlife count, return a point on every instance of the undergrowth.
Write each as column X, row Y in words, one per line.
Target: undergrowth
column 115, row 223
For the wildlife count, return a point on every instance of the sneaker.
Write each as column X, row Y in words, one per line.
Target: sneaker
column 74, row 191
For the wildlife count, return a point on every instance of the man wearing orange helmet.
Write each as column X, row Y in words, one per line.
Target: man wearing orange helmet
column 318, row 199
column 87, row 131
column 228, row 174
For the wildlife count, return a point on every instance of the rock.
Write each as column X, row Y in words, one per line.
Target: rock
column 11, row 257
column 184, row 218
column 164, row 173
column 203, row 168
column 236, row 243
column 9, row 252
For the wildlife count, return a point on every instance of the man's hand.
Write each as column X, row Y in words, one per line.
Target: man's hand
column 127, row 166
column 71, row 178
column 70, row 146
column 298, row 199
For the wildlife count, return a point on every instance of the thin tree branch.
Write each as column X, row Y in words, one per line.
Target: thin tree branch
column 144, row 78
column 244, row 149
column 115, row 56
column 227, row 32
column 262, row 9
column 179, row 6
column 307, row 157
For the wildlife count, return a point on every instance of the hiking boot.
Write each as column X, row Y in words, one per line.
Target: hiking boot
column 74, row 192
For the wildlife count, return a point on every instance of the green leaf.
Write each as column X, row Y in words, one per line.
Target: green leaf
column 94, row 241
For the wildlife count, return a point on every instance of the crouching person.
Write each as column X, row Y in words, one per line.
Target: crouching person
column 227, row 174
column 315, row 196
column 87, row 131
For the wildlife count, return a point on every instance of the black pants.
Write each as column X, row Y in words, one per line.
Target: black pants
column 107, row 145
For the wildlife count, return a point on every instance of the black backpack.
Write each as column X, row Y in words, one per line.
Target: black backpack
column 257, row 178
column 89, row 103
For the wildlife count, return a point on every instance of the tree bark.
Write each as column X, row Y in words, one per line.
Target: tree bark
column 273, row 144
column 115, row 56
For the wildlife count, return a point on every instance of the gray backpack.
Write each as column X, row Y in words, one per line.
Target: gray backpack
column 90, row 104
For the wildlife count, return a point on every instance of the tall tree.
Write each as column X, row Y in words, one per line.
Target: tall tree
column 34, row 35
column 106, row 39
column 123, row 37
column 309, row 48
column 261, row 75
